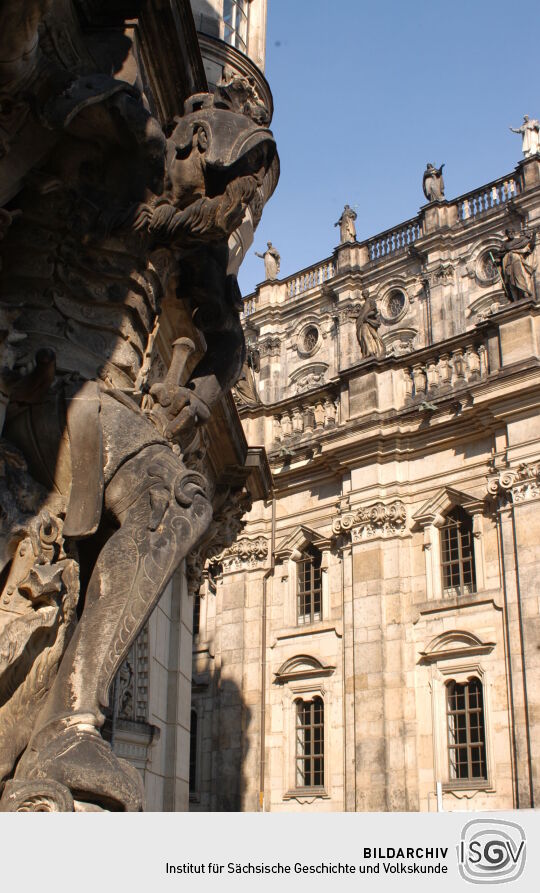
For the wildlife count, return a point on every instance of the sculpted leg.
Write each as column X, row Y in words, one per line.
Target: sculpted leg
column 163, row 511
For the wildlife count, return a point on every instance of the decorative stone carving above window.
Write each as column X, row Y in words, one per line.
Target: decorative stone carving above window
column 516, row 484
column 302, row 666
column 454, row 644
column 244, row 552
column 377, row 520
column 399, row 342
column 308, row 377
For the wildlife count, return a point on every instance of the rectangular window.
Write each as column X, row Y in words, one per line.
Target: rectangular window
column 466, row 736
column 309, row 598
column 457, row 554
column 235, row 19
column 310, row 743
column 193, row 753
column 196, row 615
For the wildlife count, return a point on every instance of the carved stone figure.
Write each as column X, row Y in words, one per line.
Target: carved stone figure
column 104, row 219
column 517, row 268
column 530, row 136
column 272, row 261
column 433, row 183
column 245, row 389
column 367, row 324
column 347, row 229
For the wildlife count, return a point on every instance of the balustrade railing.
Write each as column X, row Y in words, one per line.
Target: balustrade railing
column 492, row 195
column 249, row 307
column 306, row 417
column 394, row 240
column 446, row 371
column 309, row 278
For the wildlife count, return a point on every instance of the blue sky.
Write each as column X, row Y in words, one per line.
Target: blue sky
column 366, row 94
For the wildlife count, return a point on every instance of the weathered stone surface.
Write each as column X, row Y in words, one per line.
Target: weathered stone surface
column 110, row 214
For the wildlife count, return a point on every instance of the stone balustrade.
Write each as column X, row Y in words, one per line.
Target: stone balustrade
column 394, row 240
column 309, row 278
column 446, row 371
column 307, row 417
column 249, row 307
column 492, row 195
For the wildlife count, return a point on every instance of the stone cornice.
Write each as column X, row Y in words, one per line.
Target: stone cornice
column 519, row 484
column 378, row 520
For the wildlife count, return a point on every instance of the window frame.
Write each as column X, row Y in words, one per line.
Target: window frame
column 460, row 670
column 454, row 521
column 314, row 591
column 232, row 29
column 312, row 732
column 461, row 718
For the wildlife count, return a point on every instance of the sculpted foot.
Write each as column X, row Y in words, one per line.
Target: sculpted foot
column 81, row 760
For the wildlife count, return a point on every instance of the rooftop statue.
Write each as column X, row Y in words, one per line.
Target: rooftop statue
column 530, row 136
column 347, row 229
column 517, row 265
column 433, row 183
column 272, row 261
column 367, row 324
column 104, row 216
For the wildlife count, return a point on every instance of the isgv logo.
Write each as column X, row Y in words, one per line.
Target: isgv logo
column 491, row 851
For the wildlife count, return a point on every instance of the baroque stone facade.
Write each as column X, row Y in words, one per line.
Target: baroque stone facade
column 383, row 652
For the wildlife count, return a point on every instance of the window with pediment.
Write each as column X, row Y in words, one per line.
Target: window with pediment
column 457, row 553
column 309, row 587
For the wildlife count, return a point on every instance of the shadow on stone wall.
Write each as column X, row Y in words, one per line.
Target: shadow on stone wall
column 227, row 772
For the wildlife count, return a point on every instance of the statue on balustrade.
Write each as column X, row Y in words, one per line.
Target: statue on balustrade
column 515, row 258
column 104, row 218
column 272, row 261
column 530, row 136
column 368, row 323
column 347, row 229
column 433, row 183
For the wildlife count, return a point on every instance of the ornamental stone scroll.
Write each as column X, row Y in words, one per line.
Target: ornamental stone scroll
column 378, row 520
column 520, row 484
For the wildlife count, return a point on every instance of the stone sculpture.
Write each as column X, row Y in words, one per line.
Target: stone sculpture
column 367, row 324
column 104, row 217
column 272, row 261
column 347, row 229
column 245, row 389
column 516, row 265
column 530, row 136
column 433, row 183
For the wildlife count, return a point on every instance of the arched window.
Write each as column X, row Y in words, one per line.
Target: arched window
column 193, row 753
column 310, row 743
column 466, row 730
column 309, row 592
column 457, row 553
